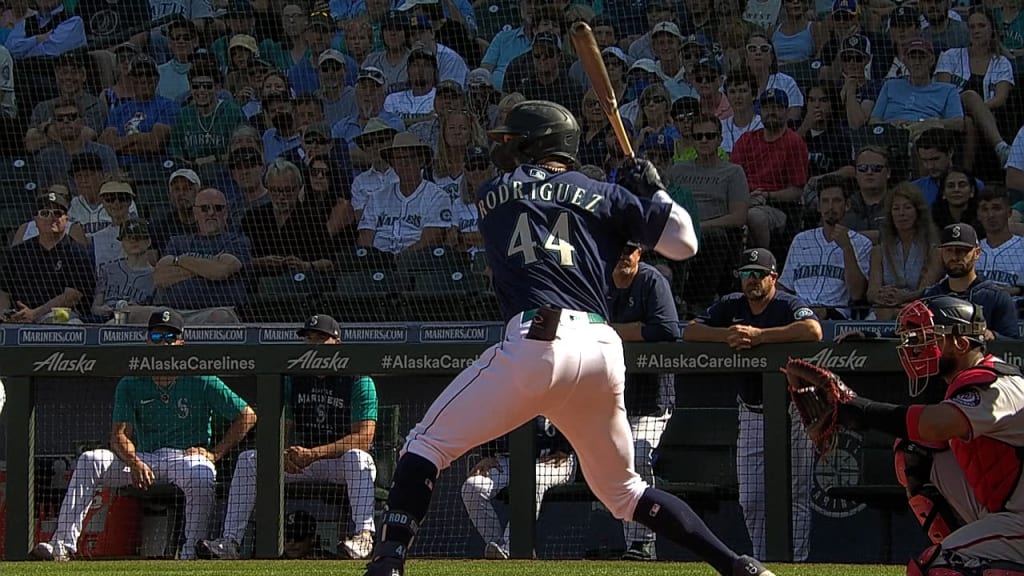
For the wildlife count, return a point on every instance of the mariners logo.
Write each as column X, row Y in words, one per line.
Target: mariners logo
column 838, row 468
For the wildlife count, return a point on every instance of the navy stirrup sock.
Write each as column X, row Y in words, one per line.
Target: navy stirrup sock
column 674, row 519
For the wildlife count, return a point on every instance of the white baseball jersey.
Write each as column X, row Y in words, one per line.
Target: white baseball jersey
column 1017, row 151
column 815, row 270
column 451, row 186
column 116, row 280
column 91, row 218
column 407, row 105
column 368, row 183
column 1003, row 264
column 105, row 246
column 398, row 220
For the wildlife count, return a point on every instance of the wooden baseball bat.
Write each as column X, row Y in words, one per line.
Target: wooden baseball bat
column 590, row 58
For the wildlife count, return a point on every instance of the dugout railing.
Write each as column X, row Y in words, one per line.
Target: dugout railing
column 21, row 365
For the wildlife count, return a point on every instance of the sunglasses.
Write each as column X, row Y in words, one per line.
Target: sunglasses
column 163, row 337
column 762, row 48
column 66, row 118
column 842, row 16
column 203, row 85
column 330, row 67
column 211, row 208
column 51, row 213
column 755, row 274
column 701, row 136
column 872, row 168
column 704, row 79
column 320, row 172
column 655, row 100
column 119, row 197
column 854, row 57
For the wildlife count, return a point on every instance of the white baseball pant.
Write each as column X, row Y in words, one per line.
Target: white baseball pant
column 647, row 431
column 194, row 475
column 3, row 396
column 576, row 381
column 355, row 469
column 478, row 493
column 750, row 477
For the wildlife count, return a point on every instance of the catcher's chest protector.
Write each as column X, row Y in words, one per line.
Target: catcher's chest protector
column 990, row 466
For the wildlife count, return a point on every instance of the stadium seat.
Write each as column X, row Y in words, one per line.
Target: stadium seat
column 804, row 72
column 296, row 284
column 441, row 258
column 371, row 296
column 361, row 259
column 444, row 295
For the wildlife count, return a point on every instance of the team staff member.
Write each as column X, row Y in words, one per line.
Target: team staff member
column 760, row 314
column 641, row 309
column 161, row 433
column 334, row 418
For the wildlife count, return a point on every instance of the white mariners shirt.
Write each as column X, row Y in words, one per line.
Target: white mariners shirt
column 815, row 270
column 398, row 220
column 105, row 246
column 91, row 218
column 1003, row 264
column 450, row 185
column 466, row 218
column 116, row 280
column 369, row 183
column 406, row 105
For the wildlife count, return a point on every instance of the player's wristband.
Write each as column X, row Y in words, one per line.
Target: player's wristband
column 861, row 413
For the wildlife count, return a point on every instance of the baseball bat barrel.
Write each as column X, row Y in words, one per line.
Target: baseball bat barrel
column 590, row 58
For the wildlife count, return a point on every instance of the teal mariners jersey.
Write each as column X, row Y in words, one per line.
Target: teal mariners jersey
column 177, row 416
column 324, row 408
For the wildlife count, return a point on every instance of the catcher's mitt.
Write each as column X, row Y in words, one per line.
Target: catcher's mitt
column 817, row 393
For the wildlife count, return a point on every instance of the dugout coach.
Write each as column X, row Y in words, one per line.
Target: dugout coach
column 760, row 314
column 641, row 309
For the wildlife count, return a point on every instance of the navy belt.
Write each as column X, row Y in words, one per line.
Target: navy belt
column 594, row 318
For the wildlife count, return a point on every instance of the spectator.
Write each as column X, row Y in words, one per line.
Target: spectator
column 464, row 233
column 595, row 128
column 763, row 65
column 644, row 73
column 161, row 434
column 824, row 131
column 555, row 465
column 615, row 63
column 308, row 110
column 280, row 232
column 865, row 212
column 942, row 31
column 87, row 209
column 543, row 73
column 796, row 37
column 1015, row 165
column 640, row 41
column 905, row 260
column 244, row 73
column 338, row 99
column 935, row 154
column 762, row 314
column 334, row 419
column 240, row 19
column 889, row 50
column 481, row 97
column 292, row 48
column 358, row 36
column 411, row 213
column 201, row 275
column 69, row 139
column 706, row 76
column 641, row 309
column 984, row 87
column 604, row 35
column 124, row 87
column 1011, row 28
column 204, row 126
column 657, row 149
column 959, row 202
column 774, row 159
column 857, row 93
column 917, row 103
column 1002, row 252
column 510, row 43
column 246, row 166
column 129, row 278
column 667, row 49
column 317, row 141
column 47, row 271
column 448, row 98
column 178, row 219
column 459, row 131
column 416, row 103
column 29, row 229
column 106, row 244
column 843, row 22
column 70, row 75
column 828, row 266
column 392, row 58
column 380, row 175
column 303, row 76
column 653, row 118
column 139, row 128
column 960, row 252
column 740, row 89
column 174, row 74
column 329, row 198
column 283, row 133
column 369, row 103
column 450, row 65
column 51, row 31
column 723, row 199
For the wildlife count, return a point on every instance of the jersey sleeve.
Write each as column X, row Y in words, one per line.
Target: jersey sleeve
column 718, row 315
column 222, row 400
column 364, row 400
column 123, row 400
column 661, row 323
column 1001, row 70
column 863, row 249
column 640, row 219
column 439, row 210
column 369, row 213
column 992, row 411
column 801, row 311
column 948, row 61
column 1005, row 314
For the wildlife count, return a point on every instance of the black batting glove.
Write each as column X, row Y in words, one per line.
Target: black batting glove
column 640, row 177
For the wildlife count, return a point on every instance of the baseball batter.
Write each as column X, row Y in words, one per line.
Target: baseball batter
column 960, row 460
column 550, row 235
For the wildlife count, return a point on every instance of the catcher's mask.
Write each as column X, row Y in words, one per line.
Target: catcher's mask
column 919, row 327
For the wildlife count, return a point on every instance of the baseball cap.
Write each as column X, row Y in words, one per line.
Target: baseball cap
column 299, row 525
column 72, row 58
column 245, row 155
column 371, row 73
column 422, row 53
column 168, row 319
column 617, row 53
column 658, row 142
column 919, row 44
column 856, row 43
column 710, row 64
column 647, row 65
column 134, row 228
column 322, row 324
column 317, row 129
column 666, row 28
column 774, row 96
column 116, row 187
column 450, row 86
column 320, row 20
column 480, row 77
column 685, row 106
column 420, row 23
column 757, row 259
column 143, row 64
column 959, row 234
column 125, row 47
column 187, row 174
column 477, row 153
column 243, row 41
column 330, row 54
column 906, row 15
column 55, row 194
column 698, row 39
column 393, row 19
column 844, row 6
column 85, row 161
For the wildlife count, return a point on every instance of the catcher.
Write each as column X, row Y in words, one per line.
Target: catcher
column 960, row 460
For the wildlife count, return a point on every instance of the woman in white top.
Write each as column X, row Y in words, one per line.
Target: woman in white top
column 906, row 259
column 459, row 131
column 464, row 234
column 984, row 76
column 764, row 66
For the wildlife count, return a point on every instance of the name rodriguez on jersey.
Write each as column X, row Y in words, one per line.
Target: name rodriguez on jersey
column 562, row 192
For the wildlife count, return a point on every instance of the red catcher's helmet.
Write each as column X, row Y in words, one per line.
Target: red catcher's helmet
column 919, row 326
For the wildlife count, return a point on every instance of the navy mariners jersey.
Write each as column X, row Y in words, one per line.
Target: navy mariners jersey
column 324, row 408
column 783, row 310
column 551, row 237
column 648, row 300
column 996, row 305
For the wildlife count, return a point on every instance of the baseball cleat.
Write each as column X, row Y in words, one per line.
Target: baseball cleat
column 219, row 549
column 639, row 552
column 49, row 552
column 358, row 547
column 747, row 566
column 388, row 560
column 494, row 551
